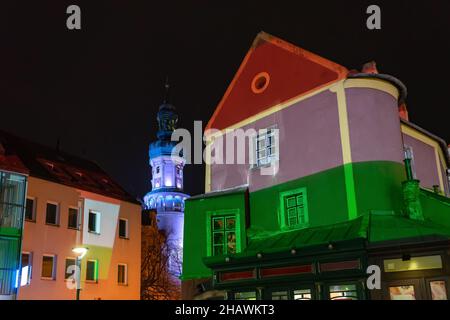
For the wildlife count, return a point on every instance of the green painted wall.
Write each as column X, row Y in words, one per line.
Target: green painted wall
column 196, row 226
column 435, row 208
column 376, row 187
column 327, row 202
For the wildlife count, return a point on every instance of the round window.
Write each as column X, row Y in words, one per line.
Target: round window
column 260, row 82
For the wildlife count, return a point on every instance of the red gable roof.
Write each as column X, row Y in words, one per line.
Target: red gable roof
column 12, row 163
column 273, row 71
column 58, row 166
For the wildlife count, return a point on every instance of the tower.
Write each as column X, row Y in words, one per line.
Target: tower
column 167, row 195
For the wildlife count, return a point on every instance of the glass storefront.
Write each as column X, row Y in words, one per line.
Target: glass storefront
column 346, row 290
column 438, row 290
column 421, row 277
column 343, row 292
column 245, row 295
column 402, row 292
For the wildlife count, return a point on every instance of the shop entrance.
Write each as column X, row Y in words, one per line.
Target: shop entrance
column 417, row 289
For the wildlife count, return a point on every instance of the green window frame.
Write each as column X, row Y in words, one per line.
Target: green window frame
column 92, row 270
column 223, row 233
column 294, row 209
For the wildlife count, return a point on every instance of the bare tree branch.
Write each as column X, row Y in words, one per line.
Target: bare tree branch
column 161, row 265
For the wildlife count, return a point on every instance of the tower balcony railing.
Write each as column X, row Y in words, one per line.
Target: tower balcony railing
column 169, row 209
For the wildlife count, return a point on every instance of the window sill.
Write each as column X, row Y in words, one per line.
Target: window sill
column 30, row 220
column 124, row 238
column 52, row 225
column 48, row 279
column 76, row 229
column 122, row 284
column 91, row 281
column 261, row 166
column 93, row 232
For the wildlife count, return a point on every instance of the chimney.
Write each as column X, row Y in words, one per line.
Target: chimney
column 403, row 112
column 370, row 67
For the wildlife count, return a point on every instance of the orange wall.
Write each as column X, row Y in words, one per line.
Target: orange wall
column 40, row 239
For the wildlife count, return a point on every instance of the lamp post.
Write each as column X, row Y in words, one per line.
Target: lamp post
column 81, row 252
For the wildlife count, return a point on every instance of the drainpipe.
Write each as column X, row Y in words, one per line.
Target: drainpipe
column 408, row 168
column 411, row 193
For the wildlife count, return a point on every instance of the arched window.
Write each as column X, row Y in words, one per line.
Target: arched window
column 177, row 204
column 159, row 202
column 151, row 203
column 169, row 202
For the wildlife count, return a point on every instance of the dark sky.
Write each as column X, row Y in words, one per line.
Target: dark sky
column 99, row 88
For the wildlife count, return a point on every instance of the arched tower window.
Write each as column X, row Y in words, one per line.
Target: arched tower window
column 151, row 203
column 177, row 204
column 169, row 202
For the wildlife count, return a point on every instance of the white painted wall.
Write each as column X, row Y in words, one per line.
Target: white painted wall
column 109, row 216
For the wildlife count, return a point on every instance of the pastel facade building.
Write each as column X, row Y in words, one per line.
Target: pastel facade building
column 13, row 187
column 72, row 203
column 335, row 179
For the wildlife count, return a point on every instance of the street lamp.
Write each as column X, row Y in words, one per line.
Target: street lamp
column 81, row 252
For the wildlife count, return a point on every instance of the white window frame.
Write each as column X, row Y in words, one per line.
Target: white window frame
column 267, row 159
column 33, row 218
column 97, row 222
column 125, row 273
column 53, row 277
column 30, row 270
column 127, row 234
column 58, row 210
column 78, row 217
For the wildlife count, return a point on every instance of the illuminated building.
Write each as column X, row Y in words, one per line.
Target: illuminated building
column 13, row 184
column 167, row 195
column 356, row 184
column 72, row 203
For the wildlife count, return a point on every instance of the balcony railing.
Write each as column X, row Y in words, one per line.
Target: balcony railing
column 12, row 200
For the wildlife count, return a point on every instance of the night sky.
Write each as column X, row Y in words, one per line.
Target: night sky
column 98, row 89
